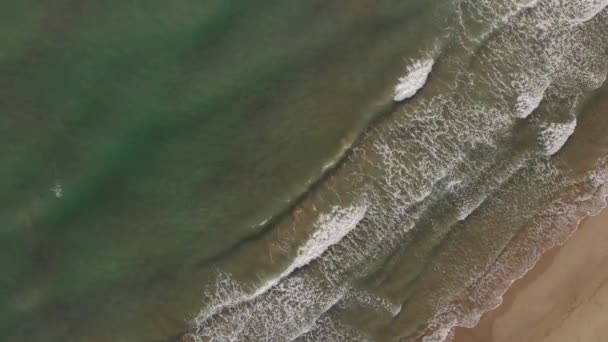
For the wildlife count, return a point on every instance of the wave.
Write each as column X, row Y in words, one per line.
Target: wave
column 531, row 94
column 555, row 135
column 585, row 10
column 282, row 313
column 330, row 229
column 490, row 184
column 333, row 227
column 414, row 80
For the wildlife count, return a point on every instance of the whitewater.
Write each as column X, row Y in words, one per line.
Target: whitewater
column 445, row 200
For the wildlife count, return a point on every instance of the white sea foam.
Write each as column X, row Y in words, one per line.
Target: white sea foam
column 554, row 135
column 373, row 301
column 585, row 10
column 327, row 329
column 281, row 314
column 261, row 223
column 531, row 92
column 521, row 4
column 474, row 194
column 330, row 229
column 416, row 77
column 527, row 103
column 57, row 190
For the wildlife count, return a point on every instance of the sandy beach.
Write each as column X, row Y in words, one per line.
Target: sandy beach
column 563, row 298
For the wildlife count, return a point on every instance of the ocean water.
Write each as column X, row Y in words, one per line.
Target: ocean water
column 289, row 170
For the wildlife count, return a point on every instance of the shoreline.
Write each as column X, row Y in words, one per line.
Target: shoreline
column 562, row 298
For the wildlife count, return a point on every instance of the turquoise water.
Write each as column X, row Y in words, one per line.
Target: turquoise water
column 240, row 169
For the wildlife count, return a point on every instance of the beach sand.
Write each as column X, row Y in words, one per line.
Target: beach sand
column 564, row 298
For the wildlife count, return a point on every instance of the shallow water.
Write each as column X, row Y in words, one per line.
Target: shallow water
column 240, row 170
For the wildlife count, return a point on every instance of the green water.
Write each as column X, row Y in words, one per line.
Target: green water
column 171, row 130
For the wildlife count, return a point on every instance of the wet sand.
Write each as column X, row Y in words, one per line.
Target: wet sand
column 563, row 298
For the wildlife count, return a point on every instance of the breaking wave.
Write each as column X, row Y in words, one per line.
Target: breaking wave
column 440, row 165
column 414, row 80
column 555, row 135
